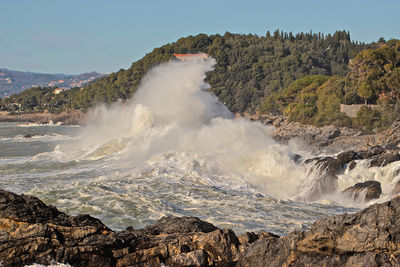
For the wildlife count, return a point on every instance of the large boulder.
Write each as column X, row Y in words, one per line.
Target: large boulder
column 370, row 237
column 364, row 192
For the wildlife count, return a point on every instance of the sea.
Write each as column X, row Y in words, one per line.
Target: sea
column 174, row 150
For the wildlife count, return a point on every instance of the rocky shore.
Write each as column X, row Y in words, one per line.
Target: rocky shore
column 73, row 117
column 328, row 139
column 32, row 232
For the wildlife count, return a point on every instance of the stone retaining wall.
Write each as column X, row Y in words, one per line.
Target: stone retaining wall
column 351, row 110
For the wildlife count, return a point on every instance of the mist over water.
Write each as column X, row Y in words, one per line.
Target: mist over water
column 174, row 149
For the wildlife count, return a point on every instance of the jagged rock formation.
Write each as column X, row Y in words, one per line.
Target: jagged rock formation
column 31, row 232
column 370, row 237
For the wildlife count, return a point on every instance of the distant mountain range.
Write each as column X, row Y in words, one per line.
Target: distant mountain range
column 13, row 82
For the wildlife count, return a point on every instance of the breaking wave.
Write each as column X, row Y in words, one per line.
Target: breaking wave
column 173, row 117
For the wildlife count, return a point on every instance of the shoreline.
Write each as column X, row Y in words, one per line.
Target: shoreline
column 73, row 117
column 326, row 139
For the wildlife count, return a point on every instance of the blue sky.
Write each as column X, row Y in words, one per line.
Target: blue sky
column 75, row 36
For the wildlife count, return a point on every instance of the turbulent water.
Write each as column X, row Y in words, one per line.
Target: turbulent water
column 173, row 150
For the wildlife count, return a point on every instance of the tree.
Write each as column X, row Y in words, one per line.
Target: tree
column 365, row 91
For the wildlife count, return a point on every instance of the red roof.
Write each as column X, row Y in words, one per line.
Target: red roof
column 191, row 55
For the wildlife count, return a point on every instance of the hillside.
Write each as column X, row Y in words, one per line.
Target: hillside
column 249, row 67
column 373, row 78
column 13, row 82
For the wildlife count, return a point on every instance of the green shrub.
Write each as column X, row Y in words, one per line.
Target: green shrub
column 368, row 119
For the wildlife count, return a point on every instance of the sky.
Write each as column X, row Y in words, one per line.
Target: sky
column 76, row 36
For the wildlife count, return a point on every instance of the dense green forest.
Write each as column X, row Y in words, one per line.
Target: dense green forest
column 305, row 76
column 249, row 67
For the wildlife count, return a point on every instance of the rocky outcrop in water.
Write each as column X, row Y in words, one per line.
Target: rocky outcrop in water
column 32, row 232
column 364, row 192
column 324, row 170
column 370, row 237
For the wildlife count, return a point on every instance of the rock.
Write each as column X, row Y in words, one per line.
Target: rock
column 332, row 139
column 352, row 165
column 391, row 146
column 384, row 159
column 296, row 158
column 32, row 232
column 391, row 135
column 325, row 165
column 332, row 165
column 364, row 192
column 330, row 132
column 171, row 225
column 32, row 210
column 376, row 150
column 325, row 171
column 322, row 178
column 370, row 237
column 31, row 135
column 43, row 235
column 346, row 157
column 396, row 189
column 193, row 258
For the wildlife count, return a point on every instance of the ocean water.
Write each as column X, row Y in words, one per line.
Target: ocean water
column 174, row 149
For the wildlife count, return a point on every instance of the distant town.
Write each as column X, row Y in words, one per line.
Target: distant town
column 13, row 82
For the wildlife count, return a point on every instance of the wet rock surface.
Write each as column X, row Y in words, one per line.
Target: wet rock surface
column 370, row 237
column 32, row 232
column 325, row 170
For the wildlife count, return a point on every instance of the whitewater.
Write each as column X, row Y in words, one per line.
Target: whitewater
column 174, row 149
